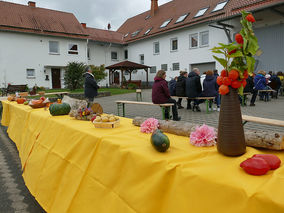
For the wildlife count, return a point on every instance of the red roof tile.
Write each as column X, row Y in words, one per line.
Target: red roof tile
column 104, row 35
column 17, row 17
column 176, row 8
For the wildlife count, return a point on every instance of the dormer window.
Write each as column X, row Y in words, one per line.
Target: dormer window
column 201, row 12
column 220, row 6
column 181, row 18
column 126, row 35
column 166, row 23
column 146, row 33
column 135, row 33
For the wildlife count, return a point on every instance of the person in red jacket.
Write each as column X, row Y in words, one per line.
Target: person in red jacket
column 161, row 94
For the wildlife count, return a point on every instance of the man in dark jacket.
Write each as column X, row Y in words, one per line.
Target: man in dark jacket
column 91, row 87
column 172, row 86
column 193, row 87
column 180, row 87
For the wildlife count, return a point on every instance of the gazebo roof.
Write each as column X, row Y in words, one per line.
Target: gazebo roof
column 127, row 65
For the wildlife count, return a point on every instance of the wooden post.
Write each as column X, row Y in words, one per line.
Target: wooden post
column 109, row 74
column 121, row 78
column 130, row 71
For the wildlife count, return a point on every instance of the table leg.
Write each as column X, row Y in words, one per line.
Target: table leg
column 207, row 106
column 243, row 100
column 163, row 113
column 118, row 108
column 123, row 109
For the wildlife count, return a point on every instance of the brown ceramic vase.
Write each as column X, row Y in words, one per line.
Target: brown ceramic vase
column 231, row 139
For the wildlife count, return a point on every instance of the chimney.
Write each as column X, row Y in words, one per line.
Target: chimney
column 84, row 25
column 32, row 4
column 154, row 7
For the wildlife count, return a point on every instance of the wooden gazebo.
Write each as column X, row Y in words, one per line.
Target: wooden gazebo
column 126, row 66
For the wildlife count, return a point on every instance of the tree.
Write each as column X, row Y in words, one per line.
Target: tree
column 98, row 72
column 73, row 76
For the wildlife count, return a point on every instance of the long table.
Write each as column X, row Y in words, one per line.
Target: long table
column 70, row 166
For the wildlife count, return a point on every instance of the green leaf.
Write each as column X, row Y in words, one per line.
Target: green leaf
column 250, row 63
column 218, row 51
column 253, row 45
column 241, row 90
column 236, row 54
column 222, row 61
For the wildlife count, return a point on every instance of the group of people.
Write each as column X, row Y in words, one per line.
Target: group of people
column 185, row 85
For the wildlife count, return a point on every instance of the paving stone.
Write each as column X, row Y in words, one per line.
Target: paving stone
column 19, row 206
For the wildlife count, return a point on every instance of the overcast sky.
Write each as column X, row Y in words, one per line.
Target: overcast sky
column 97, row 13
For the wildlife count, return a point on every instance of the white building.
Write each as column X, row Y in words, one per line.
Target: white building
column 36, row 43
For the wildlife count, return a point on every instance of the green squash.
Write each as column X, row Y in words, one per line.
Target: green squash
column 59, row 109
column 160, row 141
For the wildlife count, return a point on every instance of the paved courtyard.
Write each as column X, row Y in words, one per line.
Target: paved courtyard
column 15, row 197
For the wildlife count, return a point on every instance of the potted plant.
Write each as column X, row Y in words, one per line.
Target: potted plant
column 238, row 63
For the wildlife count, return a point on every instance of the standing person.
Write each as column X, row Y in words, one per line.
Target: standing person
column 216, row 74
column 172, row 86
column 180, row 87
column 91, row 86
column 193, row 87
column 259, row 84
column 161, row 94
column 249, row 87
column 210, row 88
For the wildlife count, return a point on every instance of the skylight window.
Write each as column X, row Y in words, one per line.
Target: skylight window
column 126, row 35
column 220, row 6
column 135, row 33
column 148, row 31
column 147, row 17
column 201, row 12
column 166, row 23
column 181, row 18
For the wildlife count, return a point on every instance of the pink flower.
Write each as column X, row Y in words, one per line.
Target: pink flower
column 149, row 126
column 203, row 136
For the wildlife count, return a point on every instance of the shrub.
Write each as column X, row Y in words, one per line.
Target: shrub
column 132, row 86
column 73, row 76
column 98, row 72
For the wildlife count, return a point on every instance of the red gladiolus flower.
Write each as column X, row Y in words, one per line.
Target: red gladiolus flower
column 250, row 18
column 224, row 73
column 239, row 38
column 236, row 84
column 233, row 74
column 233, row 51
column 223, row 89
column 227, row 81
column 246, row 75
column 220, row 80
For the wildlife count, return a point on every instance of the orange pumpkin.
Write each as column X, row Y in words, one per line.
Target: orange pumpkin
column 223, row 89
column 10, row 98
column 21, row 100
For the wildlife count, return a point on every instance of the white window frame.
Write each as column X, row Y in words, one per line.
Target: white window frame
column 166, row 67
column 149, row 30
column 220, row 6
column 190, row 41
column 153, row 68
column 53, row 53
column 173, row 39
column 142, row 62
column 73, row 52
column 30, row 76
column 201, row 12
column 200, row 39
column 154, row 49
column 114, row 59
column 173, row 66
column 165, row 23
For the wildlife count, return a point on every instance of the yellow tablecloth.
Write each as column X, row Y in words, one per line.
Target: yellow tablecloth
column 70, row 166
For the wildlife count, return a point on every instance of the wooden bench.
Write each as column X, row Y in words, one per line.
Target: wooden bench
column 207, row 100
column 138, row 94
column 266, row 93
column 121, row 104
column 260, row 120
column 11, row 89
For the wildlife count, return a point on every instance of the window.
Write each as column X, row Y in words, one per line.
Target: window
column 175, row 66
column 164, row 67
column 135, row 33
column 153, row 69
column 174, row 44
column 126, row 35
column 201, row 12
column 53, row 47
column 148, row 31
column 181, row 18
column 147, row 17
column 166, row 23
column 204, row 38
column 30, row 73
column 125, row 54
column 73, row 49
column 141, row 58
column 113, row 55
column 156, row 48
column 220, row 6
column 88, row 53
column 193, row 40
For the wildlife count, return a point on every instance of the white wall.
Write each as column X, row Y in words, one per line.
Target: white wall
column 185, row 56
column 21, row 51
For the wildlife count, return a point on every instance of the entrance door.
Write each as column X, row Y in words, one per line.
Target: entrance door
column 116, row 78
column 203, row 67
column 56, row 82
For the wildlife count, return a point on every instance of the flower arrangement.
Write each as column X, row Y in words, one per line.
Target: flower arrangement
column 149, row 125
column 203, row 136
column 83, row 113
column 238, row 61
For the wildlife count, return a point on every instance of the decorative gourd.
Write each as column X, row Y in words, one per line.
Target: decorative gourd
column 160, row 141
column 21, row 100
column 59, row 109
